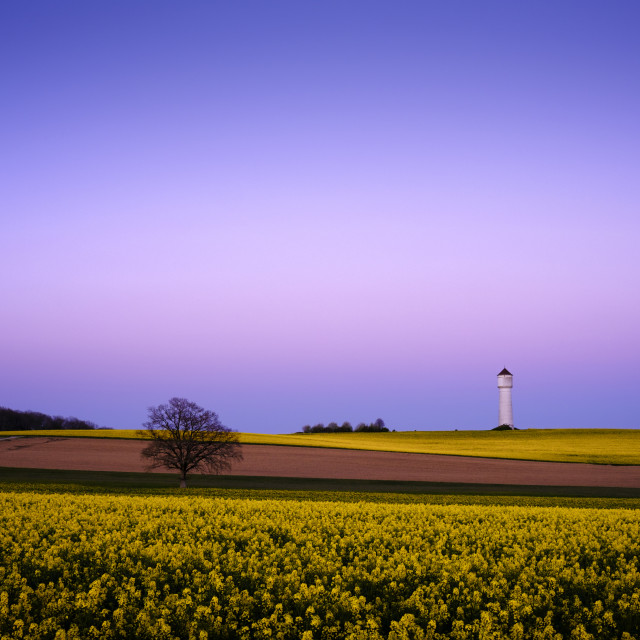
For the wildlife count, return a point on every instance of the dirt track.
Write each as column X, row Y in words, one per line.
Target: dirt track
column 302, row 462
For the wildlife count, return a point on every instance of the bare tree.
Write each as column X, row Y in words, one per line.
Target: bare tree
column 187, row 438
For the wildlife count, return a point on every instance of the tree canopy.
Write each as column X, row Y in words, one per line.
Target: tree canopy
column 188, row 438
column 332, row 427
column 14, row 420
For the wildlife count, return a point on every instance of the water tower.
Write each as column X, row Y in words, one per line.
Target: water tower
column 505, row 384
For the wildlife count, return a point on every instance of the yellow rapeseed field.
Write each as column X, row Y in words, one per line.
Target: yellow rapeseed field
column 604, row 446
column 161, row 567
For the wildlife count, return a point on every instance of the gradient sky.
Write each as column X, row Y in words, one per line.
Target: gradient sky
column 299, row 212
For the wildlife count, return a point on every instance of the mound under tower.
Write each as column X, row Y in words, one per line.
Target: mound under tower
column 505, row 384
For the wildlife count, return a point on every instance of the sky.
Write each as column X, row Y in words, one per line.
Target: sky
column 303, row 212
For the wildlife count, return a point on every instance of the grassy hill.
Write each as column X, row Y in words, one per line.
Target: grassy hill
column 601, row 446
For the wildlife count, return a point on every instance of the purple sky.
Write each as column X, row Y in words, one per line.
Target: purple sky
column 297, row 212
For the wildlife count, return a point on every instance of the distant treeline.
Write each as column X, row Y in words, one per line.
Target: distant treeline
column 345, row 427
column 12, row 420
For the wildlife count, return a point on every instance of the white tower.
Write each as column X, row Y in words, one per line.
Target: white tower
column 505, row 383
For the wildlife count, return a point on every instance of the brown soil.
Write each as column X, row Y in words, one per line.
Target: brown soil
column 306, row 462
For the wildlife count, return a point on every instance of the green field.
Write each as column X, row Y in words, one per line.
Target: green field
column 599, row 446
column 259, row 487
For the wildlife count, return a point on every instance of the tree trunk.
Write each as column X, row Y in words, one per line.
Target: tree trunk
column 183, row 481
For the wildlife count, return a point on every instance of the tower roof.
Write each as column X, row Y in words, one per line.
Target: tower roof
column 504, row 372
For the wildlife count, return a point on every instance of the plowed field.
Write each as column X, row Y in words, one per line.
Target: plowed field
column 302, row 462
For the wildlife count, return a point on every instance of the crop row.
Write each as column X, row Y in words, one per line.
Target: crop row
column 74, row 566
column 313, row 495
